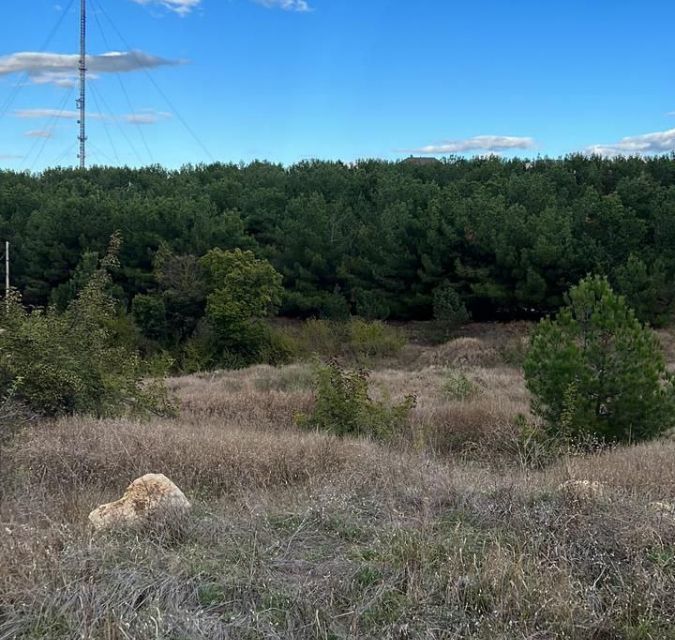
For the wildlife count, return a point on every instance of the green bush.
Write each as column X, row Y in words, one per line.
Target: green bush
column 243, row 291
column 450, row 312
column 344, row 407
column 321, row 337
column 74, row 361
column 596, row 372
column 198, row 352
column 278, row 348
column 357, row 339
column 374, row 339
column 457, row 386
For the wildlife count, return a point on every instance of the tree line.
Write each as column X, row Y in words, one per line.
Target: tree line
column 506, row 238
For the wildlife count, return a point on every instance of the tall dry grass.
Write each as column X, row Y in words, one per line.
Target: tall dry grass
column 301, row 535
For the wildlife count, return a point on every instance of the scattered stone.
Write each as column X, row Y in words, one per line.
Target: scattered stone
column 583, row 489
column 149, row 499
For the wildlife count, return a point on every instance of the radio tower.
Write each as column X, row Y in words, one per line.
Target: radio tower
column 81, row 102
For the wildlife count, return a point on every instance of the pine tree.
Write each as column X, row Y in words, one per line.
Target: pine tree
column 595, row 370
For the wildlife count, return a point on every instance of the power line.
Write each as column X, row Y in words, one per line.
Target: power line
column 121, row 82
column 24, row 76
column 105, row 126
column 182, row 120
column 100, row 152
column 62, row 156
column 81, row 101
column 51, row 123
column 132, row 146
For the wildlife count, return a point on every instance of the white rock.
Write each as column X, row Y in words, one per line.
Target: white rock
column 150, row 498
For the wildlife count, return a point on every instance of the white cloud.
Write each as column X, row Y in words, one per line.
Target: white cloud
column 477, row 143
column 181, row 7
column 184, row 7
column 647, row 143
column 287, row 5
column 39, row 133
column 147, row 116
column 66, row 79
column 49, row 113
column 9, row 156
column 61, row 69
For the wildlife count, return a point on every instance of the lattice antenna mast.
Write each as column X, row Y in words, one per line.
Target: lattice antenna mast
column 81, row 101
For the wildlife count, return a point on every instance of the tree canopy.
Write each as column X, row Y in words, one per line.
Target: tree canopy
column 371, row 238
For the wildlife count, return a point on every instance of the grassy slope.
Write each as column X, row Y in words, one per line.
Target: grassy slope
column 300, row 535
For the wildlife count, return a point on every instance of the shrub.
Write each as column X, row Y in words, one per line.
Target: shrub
column 278, row 348
column 595, row 371
column 358, row 339
column 74, row 362
column 198, row 352
column 450, row 311
column 243, row 290
column 458, row 387
column 291, row 379
column 321, row 337
column 374, row 339
column 344, row 407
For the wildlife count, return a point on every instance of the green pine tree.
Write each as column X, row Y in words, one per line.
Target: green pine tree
column 595, row 370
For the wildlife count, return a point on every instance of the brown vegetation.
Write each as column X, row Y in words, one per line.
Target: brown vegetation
column 443, row 534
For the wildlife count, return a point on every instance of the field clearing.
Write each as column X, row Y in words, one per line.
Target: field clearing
column 443, row 533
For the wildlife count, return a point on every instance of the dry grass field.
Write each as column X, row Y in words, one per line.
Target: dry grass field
column 445, row 533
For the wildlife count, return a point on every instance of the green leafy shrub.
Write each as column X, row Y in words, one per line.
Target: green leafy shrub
column 278, row 348
column 74, row 362
column 243, row 291
column 596, row 371
column 344, row 407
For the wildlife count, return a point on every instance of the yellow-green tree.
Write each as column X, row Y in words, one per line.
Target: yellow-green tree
column 243, row 290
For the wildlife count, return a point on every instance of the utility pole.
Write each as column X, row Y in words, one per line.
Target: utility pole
column 7, row 274
column 81, row 102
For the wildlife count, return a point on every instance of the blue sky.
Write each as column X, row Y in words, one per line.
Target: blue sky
column 286, row 80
